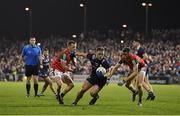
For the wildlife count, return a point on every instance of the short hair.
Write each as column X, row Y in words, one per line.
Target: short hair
column 100, row 49
column 45, row 49
column 137, row 39
column 127, row 50
column 71, row 42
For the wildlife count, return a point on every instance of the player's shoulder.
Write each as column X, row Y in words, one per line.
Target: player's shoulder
column 104, row 59
column 63, row 51
column 27, row 46
column 133, row 56
column 91, row 56
column 141, row 49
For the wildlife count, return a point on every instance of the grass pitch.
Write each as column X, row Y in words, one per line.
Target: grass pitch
column 114, row 100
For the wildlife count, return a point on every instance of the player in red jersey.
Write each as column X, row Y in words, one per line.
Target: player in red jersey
column 61, row 69
column 139, row 51
column 138, row 68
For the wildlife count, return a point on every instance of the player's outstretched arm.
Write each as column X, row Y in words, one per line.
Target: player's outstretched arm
column 110, row 73
column 81, row 54
column 64, row 66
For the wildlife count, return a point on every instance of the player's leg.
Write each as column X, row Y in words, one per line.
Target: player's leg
column 47, row 81
column 139, row 85
column 28, row 86
column 35, row 77
column 132, row 88
column 94, row 93
column 150, row 91
column 28, row 73
column 69, row 84
column 56, row 75
column 44, row 87
column 86, row 85
column 99, row 84
column 59, row 84
column 146, row 87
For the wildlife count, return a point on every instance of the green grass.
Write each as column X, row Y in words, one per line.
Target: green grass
column 113, row 100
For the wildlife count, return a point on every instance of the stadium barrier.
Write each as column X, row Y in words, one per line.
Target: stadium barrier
column 164, row 79
column 116, row 78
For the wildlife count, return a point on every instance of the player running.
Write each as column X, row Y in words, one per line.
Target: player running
column 139, row 51
column 138, row 68
column 95, row 81
column 61, row 69
column 44, row 72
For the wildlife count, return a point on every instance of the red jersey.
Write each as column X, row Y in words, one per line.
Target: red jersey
column 132, row 60
column 63, row 56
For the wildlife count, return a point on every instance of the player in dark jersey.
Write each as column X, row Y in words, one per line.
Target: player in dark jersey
column 61, row 69
column 138, row 68
column 44, row 72
column 93, row 80
column 138, row 50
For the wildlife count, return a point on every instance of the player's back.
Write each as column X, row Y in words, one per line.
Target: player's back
column 131, row 59
column 140, row 52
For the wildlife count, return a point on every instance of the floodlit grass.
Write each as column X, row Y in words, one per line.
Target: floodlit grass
column 114, row 100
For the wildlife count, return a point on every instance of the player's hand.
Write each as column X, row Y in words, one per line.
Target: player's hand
column 41, row 66
column 108, row 81
column 108, row 75
column 74, row 69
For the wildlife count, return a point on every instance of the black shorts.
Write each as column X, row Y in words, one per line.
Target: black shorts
column 43, row 73
column 31, row 70
column 94, row 80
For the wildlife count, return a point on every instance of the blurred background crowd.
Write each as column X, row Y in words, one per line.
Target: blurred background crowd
column 162, row 46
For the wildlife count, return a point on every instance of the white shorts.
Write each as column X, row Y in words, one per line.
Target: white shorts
column 57, row 73
column 143, row 71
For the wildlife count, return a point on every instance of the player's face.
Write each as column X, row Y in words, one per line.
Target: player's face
column 126, row 54
column 32, row 41
column 45, row 53
column 135, row 44
column 99, row 55
column 72, row 47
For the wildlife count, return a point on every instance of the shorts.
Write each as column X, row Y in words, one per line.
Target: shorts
column 43, row 73
column 56, row 73
column 31, row 70
column 94, row 80
column 143, row 71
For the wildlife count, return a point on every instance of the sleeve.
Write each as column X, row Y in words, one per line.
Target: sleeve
column 120, row 61
column 105, row 64
column 135, row 62
column 24, row 51
column 40, row 52
column 73, row 55
column 89, row 56
column 63, row 56
column 141, row 51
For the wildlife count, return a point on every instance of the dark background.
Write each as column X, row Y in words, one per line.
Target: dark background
column 66, row 17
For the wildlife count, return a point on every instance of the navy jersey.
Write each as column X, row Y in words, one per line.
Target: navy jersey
column 45, row 71
column 140, row 52
column 97, row 63
column 45, row 61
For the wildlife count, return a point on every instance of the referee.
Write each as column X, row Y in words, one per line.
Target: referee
column 31, row 54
